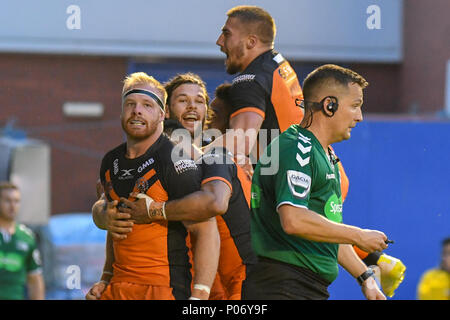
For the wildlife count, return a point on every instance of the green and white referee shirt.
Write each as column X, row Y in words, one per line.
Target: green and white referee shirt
column 19, row 257
column 305, row 178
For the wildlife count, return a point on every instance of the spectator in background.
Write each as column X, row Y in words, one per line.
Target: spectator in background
column 435, row 283
column 20, row 263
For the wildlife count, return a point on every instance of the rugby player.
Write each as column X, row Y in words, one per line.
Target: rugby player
column 151, row 261
column 267, row 95
column 221, row 195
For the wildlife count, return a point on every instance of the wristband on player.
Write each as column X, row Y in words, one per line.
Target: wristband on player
column 164, row 211
column 364, row 276
column 202, row 287
column 106, row 283
column 193, row 298
column 108, row 272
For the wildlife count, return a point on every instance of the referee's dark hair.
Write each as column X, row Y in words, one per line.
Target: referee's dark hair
column 185, row 78
column 222, row 93
column 259, row 21
column 326, row 75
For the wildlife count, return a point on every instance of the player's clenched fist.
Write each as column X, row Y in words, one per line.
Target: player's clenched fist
column 96, row 291
column 116, row 221
column 371, row 240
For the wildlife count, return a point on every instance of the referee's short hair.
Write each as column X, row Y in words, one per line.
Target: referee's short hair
column 259, row 21
column 329, row 74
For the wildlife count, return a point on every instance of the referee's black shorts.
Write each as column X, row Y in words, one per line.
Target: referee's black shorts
column 275, row 280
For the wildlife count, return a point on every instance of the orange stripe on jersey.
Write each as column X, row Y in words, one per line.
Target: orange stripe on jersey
column 361, row 254
column 246, row 184
column 231, row 268
column 112, row 194
column 285, row 91
column 249, row 109
column 344, row 181
column 219, row 179
column 146, row 176
column 157, row 192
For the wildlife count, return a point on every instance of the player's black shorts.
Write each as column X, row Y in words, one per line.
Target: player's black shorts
column 275, row 280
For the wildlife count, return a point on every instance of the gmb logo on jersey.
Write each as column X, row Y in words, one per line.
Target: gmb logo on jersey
column 296, row 180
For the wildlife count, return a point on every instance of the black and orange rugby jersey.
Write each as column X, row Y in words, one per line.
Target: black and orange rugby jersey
column 269, row 87
column 156, row 253
column 234, row 224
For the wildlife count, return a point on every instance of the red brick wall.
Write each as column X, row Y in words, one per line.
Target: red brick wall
column 382, row 95
column 33, row 90
column 426, row 51
column 418, row 82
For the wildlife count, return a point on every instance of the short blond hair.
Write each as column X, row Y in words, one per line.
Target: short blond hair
column 141, row 78
column 257, row 20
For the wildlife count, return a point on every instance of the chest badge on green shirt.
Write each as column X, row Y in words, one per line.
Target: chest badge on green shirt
column 256, row 196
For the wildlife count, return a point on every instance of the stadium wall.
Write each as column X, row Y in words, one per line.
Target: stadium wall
column 33, row 90
column 399, row 184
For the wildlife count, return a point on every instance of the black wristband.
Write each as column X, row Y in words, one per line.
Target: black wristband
column 364, row 276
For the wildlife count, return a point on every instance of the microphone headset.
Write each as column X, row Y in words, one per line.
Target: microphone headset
column 332, row 106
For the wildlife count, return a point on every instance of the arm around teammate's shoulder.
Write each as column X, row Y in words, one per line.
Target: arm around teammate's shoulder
column 210, row 201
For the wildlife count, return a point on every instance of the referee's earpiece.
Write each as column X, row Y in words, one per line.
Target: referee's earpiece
column 332, row 106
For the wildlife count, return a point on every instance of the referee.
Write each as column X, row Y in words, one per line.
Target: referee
column 297, row 228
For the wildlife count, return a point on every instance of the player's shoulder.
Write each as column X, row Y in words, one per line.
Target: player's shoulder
column 173, row 160
column 25, row 232
column 296, row 144
column 293, row 134
column 215, row 155
column 164, row 147
column 258, row 73
column 116, row 152
column 265, row 64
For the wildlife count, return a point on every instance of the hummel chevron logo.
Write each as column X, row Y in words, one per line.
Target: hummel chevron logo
column 304, row 149
column 301, row 161
column 304, row 139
